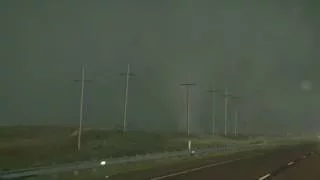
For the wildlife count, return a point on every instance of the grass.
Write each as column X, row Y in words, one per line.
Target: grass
column 25, row 147
column 129, row 167
column 101, row 173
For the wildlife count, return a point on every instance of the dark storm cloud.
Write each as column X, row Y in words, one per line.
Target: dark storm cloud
column 260, row 50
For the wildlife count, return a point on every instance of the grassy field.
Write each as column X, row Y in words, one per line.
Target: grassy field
column 123, row 169
column 22, row 147
column 25, row 147
column 102, row 172
column 268, row 145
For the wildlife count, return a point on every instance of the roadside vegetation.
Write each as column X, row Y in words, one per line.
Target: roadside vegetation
column 25, row 147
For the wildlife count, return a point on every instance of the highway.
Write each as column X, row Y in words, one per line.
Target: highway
column 304, row 170
column 298, row 162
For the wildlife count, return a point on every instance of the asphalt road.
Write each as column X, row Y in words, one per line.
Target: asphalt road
column 308, row 169
column 253, row 165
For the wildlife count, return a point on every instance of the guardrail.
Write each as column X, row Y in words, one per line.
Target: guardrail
column 83, row 165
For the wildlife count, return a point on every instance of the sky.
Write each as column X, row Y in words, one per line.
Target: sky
column 260, row 50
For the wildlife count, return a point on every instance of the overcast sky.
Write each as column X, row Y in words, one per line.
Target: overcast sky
column 260, row 50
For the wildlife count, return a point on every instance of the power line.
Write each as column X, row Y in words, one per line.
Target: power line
column 236, row 115
column 82, row 80
column 213, row 122
column 227, row 95
column 127, row 75
column 187, row 86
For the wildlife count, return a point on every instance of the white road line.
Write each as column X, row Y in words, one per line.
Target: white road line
column 264, row 177
column 290, row 163
column 197, row 169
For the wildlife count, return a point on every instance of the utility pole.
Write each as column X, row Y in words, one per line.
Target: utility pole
column 83, row 80
column 236, row 122
column 85, row 111
column 127, row 75
column 187, row 87
column 227, row 95
column 236, row 115
column 213, row 123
